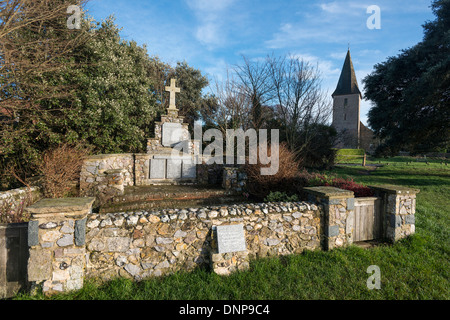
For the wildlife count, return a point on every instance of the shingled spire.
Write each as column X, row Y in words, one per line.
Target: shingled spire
column 347, row 82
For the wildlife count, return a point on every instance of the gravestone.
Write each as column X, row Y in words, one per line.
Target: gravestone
column 230, row 238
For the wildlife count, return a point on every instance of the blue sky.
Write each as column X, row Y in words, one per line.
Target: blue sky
column 212, row 35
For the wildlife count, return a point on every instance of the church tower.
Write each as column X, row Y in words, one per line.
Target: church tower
column 346, row 107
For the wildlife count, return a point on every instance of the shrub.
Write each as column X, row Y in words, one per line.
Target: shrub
column 317, row 153
column 260, row 186
column 348, row 184
column 60, row 169
column 280, row 197
column 312, row 179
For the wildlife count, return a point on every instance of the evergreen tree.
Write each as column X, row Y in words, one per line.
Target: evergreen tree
column 411, row 92
column 115, row 104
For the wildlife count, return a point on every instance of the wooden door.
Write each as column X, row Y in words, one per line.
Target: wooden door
column 13, row 258
column 367, row 219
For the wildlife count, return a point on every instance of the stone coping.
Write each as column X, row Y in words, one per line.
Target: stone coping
column 173, row 157
column 177, row 117
column 107, row 156
column 14, row 192
column 207, row 213
column 66, row 205
column 395, row 189
column 329, row 192
column 115, row 171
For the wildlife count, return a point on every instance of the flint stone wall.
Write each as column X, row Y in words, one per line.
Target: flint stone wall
column 68, row 242
column 94, row 171
column 144, row 244
column 13, row 199
column 56, row 240
column 339, row 209
column 399, row 209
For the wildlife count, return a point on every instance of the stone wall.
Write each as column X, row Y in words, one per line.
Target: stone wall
column 234, row 179
column 399, row 209
column 12, row 200
column 68, row 242
column 338, row 214
column 93, row 174
column 56, row 240
column 143, row 244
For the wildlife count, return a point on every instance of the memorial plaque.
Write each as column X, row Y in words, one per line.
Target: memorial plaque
column 172, row 133
column 189, row 169
column 173, row 169
column 157, row 169
column 231, row 238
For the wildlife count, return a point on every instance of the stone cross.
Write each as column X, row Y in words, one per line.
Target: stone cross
column 173, row 90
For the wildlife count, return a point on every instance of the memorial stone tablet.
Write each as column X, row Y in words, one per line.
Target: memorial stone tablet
column 173, row 169
column 231, row 238
column 189, row 169
column 172, row 133
column 157, row 169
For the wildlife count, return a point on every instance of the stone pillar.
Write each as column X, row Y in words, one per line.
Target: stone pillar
column 56, row 240
column 142, row 169
column 234, row 179
column 339, row 210
column 115, row 182
column 398, row 211
column 154, row 144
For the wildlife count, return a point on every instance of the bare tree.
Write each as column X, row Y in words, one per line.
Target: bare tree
column 301, row 103
column 233, row 105
column 37, row 56
column 255, row 80
column 34, row 41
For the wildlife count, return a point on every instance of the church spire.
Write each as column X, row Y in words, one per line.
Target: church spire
column 348, row 83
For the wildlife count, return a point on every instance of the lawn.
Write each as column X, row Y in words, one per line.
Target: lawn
column 414, row 268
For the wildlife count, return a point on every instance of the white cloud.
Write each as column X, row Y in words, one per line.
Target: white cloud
column 369, row 52
column 216, row 69
column 326, row 68
column 347, row 8
column 330, row 7
column 209, row 5
column 327, row 22
column 338, row 55
column 210, row 31
column 208, row 34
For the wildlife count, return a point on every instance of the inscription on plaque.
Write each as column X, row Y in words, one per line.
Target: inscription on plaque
column 172, row 133
column 157, row 169
column 173, row 169
column 189, row 169
column 230, row 238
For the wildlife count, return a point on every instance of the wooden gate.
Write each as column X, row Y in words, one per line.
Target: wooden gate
column 13, row 258
column 367, row 223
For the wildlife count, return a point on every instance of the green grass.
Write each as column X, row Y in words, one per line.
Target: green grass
column 414, row 268
column 349, row 155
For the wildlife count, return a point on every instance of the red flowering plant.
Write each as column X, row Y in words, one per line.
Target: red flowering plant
column 317, row 179
column 348, row 184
